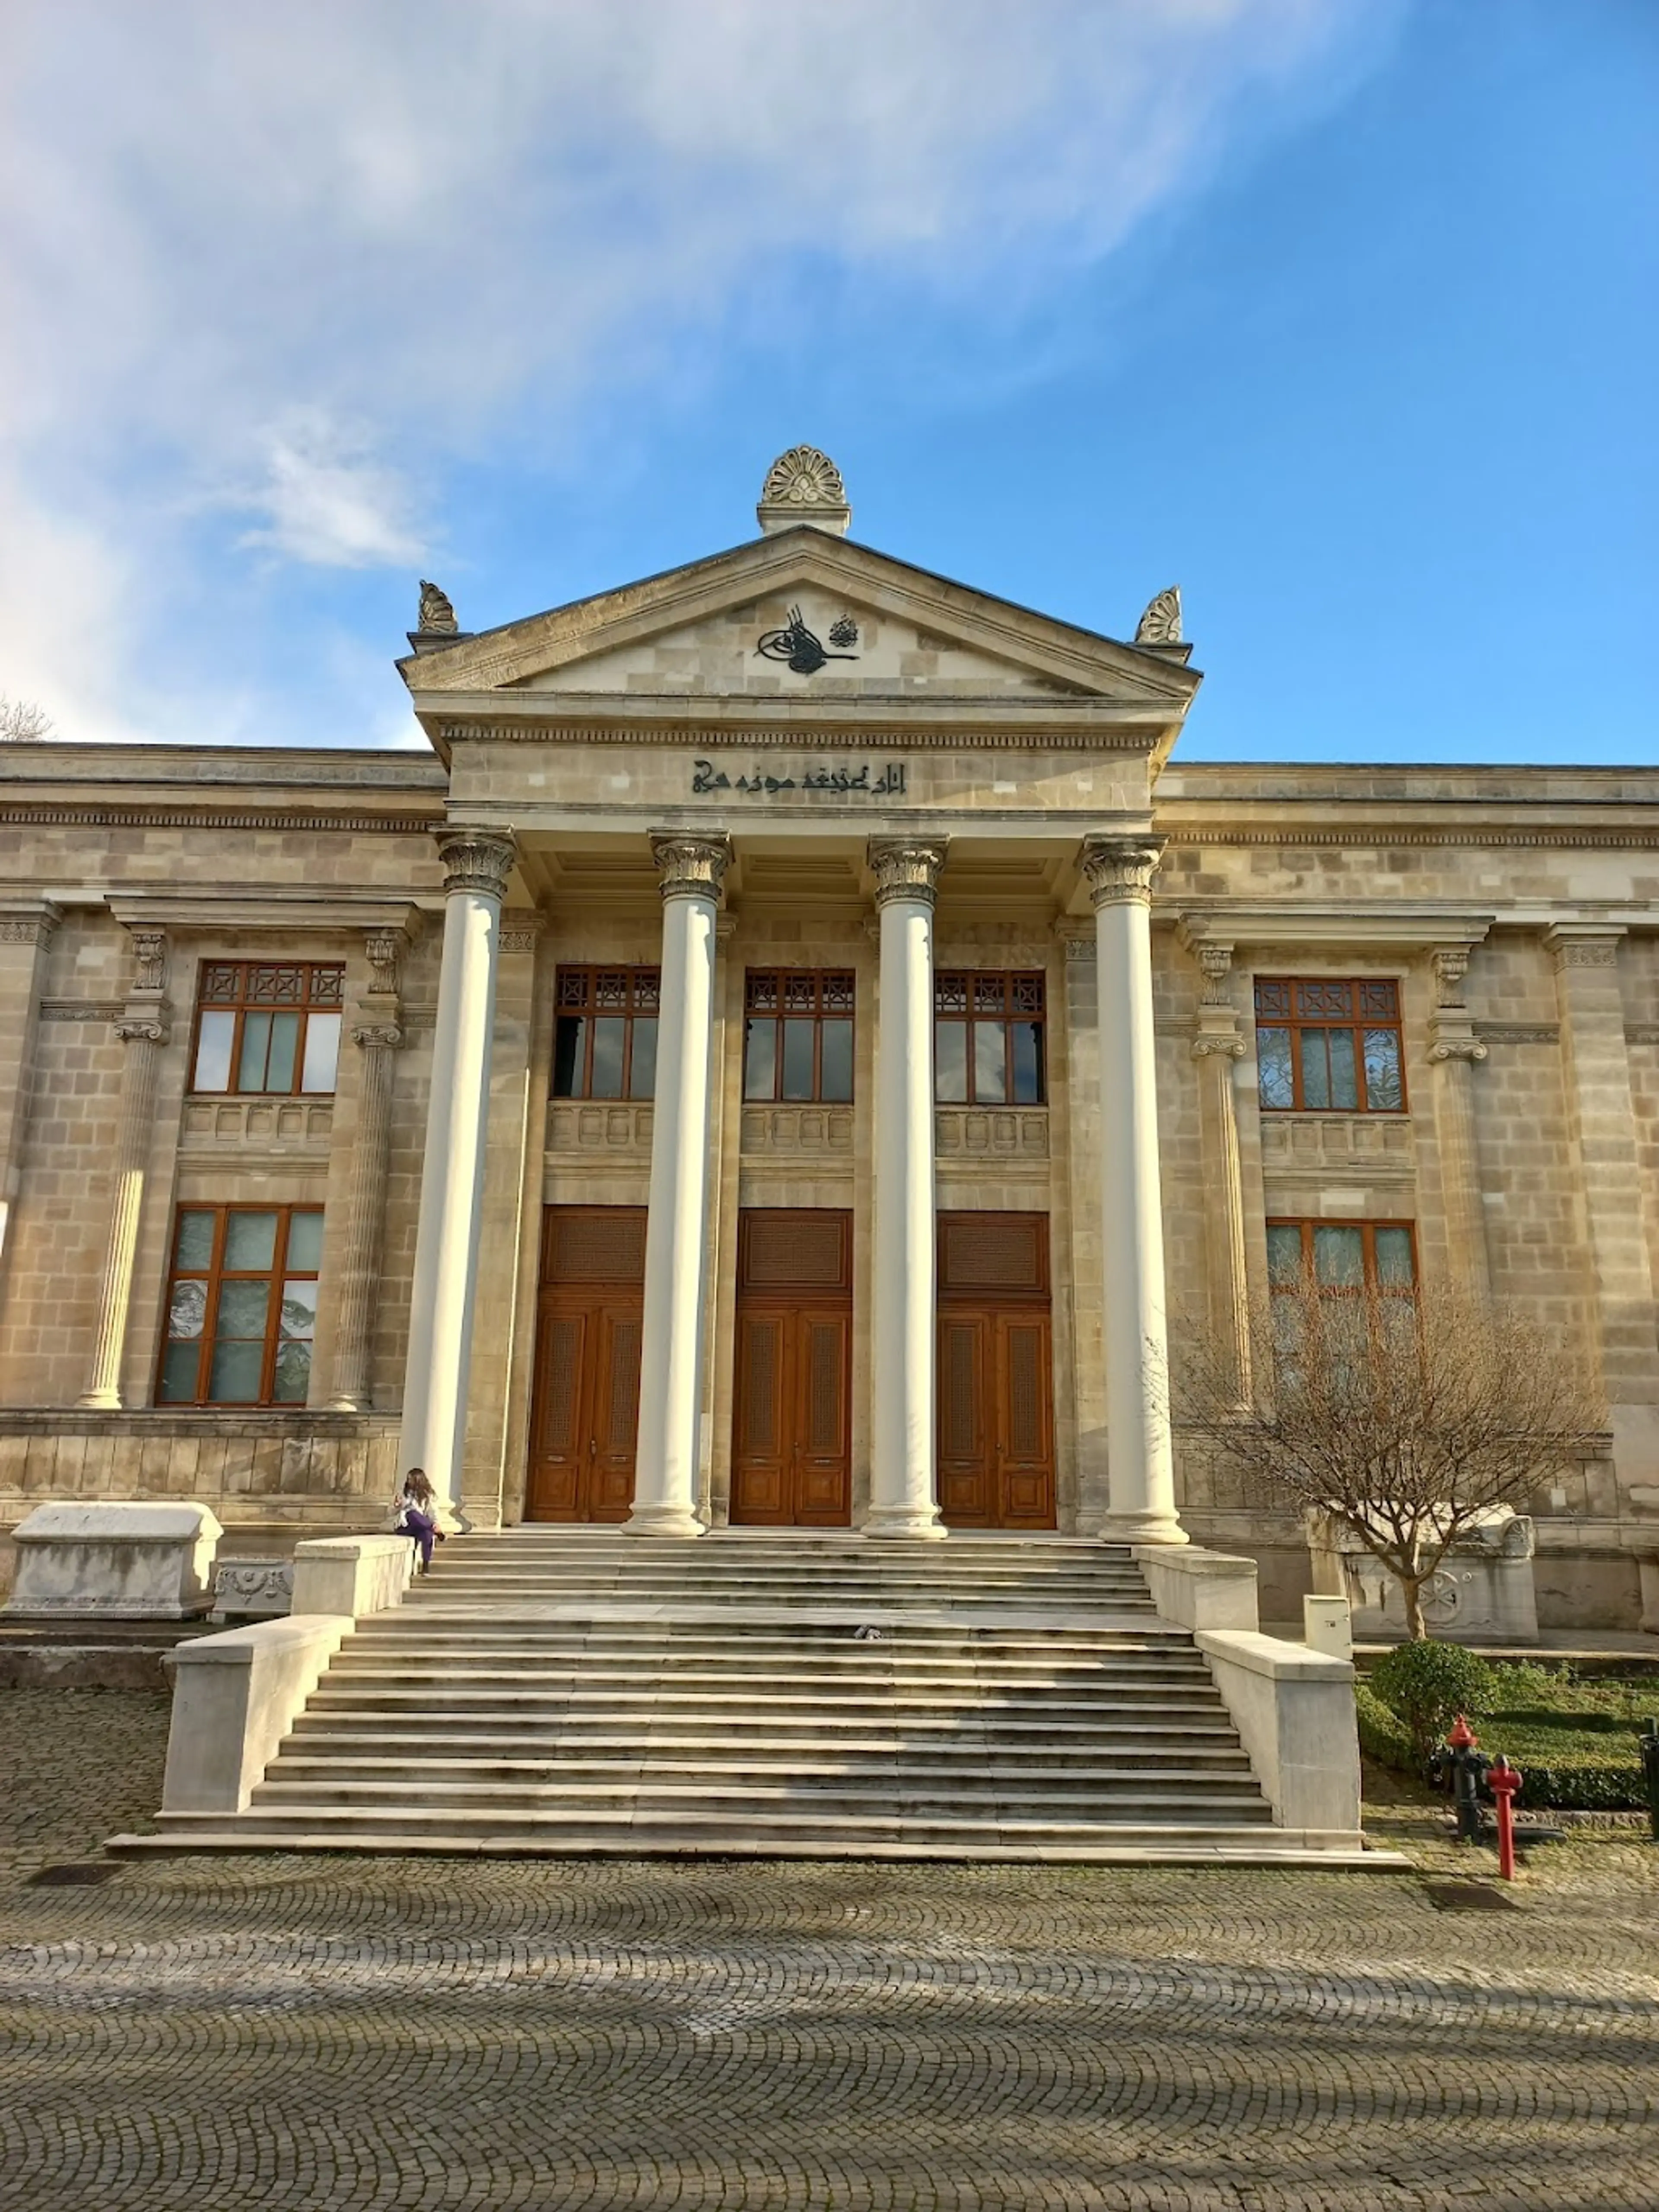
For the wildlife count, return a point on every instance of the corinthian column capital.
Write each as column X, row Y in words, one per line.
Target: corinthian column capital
column 478, row 861
column 690, row 863
column 907, row 867
column 1119, row 870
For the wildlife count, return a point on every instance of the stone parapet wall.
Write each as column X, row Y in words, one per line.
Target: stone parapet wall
column 316, row 1472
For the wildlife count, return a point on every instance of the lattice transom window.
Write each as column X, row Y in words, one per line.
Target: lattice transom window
column 1329, row 1045
column 604, row 1041
column 241, row 1306
column 268, row 1026
column 798, row 1034
column 988, row 1043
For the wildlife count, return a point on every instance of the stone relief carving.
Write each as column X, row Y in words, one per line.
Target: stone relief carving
column 1451, row 964
column 386, row 949
column 802, row 477
column 478, row 861
column 1233, row 1046
column 1118, row 869
column 148, row 1030
column 689, row 865
column 387, row 1034
column 150, row 948
column 29, row 928
column 437, row 616
column 523, row 937
column 1456, row 1047
column 1586, row 951
column 803, row 485
column 907, row 867
column 1161, row 623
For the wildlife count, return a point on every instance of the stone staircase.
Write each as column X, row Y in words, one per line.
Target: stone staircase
column 786, row 1694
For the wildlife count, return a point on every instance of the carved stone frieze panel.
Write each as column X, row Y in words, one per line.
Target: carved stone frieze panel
column 228, row 1125
column 991, row 1132
column 801, row 1131
column 592, row 1126
column 1339, row 1147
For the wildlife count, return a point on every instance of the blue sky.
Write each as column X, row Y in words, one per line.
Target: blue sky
column 1341, row 313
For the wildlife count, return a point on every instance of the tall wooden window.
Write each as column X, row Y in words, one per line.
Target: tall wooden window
column 268, row 1026
column 798, row 1034
column 241, row 1305
column 1342, row 1257
column 1330, row 1046
column 605, row 1041
column 988, row 1044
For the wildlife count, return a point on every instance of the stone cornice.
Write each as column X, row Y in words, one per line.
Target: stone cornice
column 1395, row 925
column 267, row 907
column 169, row 815
column 950, row 724
column 1297, row 833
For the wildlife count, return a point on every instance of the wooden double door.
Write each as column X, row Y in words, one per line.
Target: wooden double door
column 585, row 1406
column 995, row 1374
column 792, row 1388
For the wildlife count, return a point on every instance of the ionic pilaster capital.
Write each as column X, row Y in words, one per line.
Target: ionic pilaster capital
column 690, row 863
column 1232, row 1046
column 1119, row 870
column 387, row 1036
column 1456, row 1047
column 907, row 867
column 146, row 1029
column 476, row 861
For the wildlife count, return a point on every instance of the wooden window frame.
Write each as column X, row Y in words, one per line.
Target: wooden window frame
column 322, row 991
column 1292, row 1017
column 976, row 986
column 814, row 994
column 1308, row 1223
column 216, row 1277
column 610, row 991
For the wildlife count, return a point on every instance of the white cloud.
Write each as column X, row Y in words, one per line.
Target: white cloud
column 328, row 502
column 256, row 255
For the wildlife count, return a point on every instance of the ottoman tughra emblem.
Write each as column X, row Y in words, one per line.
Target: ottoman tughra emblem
column 797, row 647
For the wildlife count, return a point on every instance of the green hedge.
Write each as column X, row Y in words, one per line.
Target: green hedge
column 1383, row 1735
column 1580, row 1785
column 1583, row 1786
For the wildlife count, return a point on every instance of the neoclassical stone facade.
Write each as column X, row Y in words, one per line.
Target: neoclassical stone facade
column 780, row 1053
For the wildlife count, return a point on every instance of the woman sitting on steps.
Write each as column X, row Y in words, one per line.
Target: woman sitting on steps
column 414, row 1515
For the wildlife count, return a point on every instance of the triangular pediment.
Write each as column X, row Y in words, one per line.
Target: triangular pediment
column 800, row 616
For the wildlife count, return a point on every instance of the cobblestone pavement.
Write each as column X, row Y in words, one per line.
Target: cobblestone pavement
column 293, row 2033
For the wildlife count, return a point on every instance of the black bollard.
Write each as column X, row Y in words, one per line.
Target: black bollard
column 1651, row 1773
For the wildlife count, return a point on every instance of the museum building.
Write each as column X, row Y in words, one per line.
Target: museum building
column 783, row 1053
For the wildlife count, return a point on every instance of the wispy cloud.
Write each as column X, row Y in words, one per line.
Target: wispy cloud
column 259, row 257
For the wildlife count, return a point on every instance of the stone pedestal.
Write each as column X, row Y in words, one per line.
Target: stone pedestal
column 126, row 1562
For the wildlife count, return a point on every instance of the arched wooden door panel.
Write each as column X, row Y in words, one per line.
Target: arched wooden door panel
column 995, row 1374
column 792, row 1401
column 585, row 1407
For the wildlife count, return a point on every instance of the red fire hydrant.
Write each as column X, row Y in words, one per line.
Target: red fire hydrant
column 1503, row 1780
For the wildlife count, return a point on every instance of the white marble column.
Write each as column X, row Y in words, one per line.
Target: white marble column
column 690, row 868
column 903, row 1492
column 143, row 1028
column 1455, row 1051
column 476, row 864
column 378, row 1035
column 1142, row 1468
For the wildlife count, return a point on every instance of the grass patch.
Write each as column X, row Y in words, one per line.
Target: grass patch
column 1575, row 1739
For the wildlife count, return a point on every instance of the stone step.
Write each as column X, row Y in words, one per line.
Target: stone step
column 737, row 1693
column 898, row 1764
column 1179, row 1844
column 1197, row 1796
column 944, row 1731
column 873, row 1663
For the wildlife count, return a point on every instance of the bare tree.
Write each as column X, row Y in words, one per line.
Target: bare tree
column 1406, row 1417
column 22, row 722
